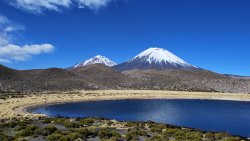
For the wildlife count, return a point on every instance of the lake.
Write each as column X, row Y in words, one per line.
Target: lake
column 209, row 115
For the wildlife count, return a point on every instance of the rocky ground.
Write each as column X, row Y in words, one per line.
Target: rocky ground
column 93, row 129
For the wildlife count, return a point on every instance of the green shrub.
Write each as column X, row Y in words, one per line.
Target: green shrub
column 48, row 130
column 3, row 125
column 54, row 137
column 130, row 136
column 65, row 138
column 157, row 138
column 134, row 134
column 13, row 124
column 108, row 133
column 87, row 121
column 71, row 124
column 61, row 121
column 210, row 136
column 179, row 134
column 18, row 128
column 194, row 136
column 47, row 121
column 20, row 139
column 66, row 122
column 157, row 128
column 132, row 124
column 3, row 137
column 232, row 139
column 109, row 123
column 84, row 132
column 221, row 135
column 28, row 131
column 169, row 133
column 38, row 132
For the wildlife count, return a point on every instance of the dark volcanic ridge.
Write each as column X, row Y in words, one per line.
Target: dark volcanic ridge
column 98, row 76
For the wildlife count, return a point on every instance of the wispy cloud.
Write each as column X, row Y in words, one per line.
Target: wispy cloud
column 93, row 4
column 10, row 52
column 39, row 6
column 7, row 29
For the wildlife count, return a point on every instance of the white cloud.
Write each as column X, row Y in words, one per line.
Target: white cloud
column 7, row 29
column 10, row 52
column 93, row 4
column 5, row 61
column 3, row 39
column 3, row 19
column 39, row 6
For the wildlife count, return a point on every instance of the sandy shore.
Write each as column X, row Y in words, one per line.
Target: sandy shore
column 17, row 107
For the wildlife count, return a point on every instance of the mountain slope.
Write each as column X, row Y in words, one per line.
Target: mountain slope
column 102, row 75
column 98, row 76
column 53, row 79
column 155, row 58
column 186, row 80
column 95, row 60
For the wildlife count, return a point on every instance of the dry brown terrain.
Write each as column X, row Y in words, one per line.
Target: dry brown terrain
column 100, row 77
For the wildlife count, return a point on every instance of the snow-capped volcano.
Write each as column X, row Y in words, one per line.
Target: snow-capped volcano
column 159, row 56
column 96, row 60
column 155, row 58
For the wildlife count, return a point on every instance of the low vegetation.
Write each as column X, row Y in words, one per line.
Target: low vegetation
column 65, row 129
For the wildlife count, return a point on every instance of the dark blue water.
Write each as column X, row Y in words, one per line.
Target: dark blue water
column 209, row 115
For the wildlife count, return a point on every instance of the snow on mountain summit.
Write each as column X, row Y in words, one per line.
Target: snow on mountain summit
column 155, row 58
column 159, row 55
column 96, row 60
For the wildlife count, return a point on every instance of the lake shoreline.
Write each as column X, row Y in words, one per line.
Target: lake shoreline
column 19, row 107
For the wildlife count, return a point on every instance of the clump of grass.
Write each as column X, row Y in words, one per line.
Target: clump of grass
column 157, row 128
column 13, row 124
column 169, row 133
column 4, row 137
column 47, row 121
column 65, row 136
column 85, row 133
column 180, row 134
column 55, row 136
column 66, row 122
column 48, row 130
column 107, row 133
column 132, row 124
column 27, row 131
column 135, row 125
column 232, row 139
column 134, row 134
column 210, row 136
column 157, row 138
column 219, row 136
column 87, row 121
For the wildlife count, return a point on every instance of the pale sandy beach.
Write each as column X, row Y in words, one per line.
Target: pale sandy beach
column 17, row 107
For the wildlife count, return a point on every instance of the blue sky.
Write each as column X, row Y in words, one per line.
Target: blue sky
column 212, row 34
